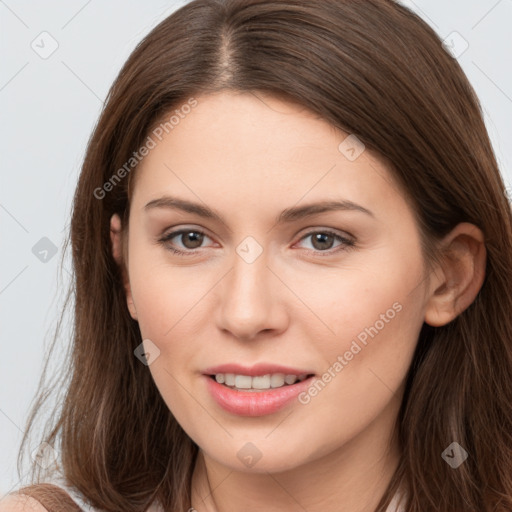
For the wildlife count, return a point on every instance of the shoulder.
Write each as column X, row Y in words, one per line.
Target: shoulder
column 20, row 503
column 41, row 497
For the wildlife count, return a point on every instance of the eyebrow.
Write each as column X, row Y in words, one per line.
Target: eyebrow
column 288, row 215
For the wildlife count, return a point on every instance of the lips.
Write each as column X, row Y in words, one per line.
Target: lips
column 257, row 369
column 246, row 403
column 255, row 403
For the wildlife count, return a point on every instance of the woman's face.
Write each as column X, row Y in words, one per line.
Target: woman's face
column 269, row 279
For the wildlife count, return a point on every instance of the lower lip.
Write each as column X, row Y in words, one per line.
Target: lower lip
column 255, row 403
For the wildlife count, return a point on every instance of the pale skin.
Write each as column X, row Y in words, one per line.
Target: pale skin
column 300, row 303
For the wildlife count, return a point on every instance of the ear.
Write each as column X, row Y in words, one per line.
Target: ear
column 118, row 252
column 458, row 282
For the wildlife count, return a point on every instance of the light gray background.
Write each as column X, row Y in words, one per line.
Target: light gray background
column 48, row 110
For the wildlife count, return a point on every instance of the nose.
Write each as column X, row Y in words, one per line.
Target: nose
column 251, row 300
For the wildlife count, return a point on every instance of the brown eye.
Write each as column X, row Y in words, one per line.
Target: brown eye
column 192, row 239
column 323, row 241
column 189, row 239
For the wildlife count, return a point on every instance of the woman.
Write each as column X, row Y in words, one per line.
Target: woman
column 293, row 258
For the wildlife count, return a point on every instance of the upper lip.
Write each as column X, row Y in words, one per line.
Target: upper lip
column 255, row 370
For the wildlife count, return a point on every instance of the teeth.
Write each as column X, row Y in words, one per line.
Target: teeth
column 261, row 382
column 275, row 380
column 243, row 382
column 290, row 379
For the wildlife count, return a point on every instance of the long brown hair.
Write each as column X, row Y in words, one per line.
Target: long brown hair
column 373, row 69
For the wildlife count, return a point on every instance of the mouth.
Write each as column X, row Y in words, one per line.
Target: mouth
column 258, row 383
column 245, row 395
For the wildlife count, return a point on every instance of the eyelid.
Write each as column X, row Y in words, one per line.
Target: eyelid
column 168, row 235
column 175, row 230
column 347, row 240
column 324, row 229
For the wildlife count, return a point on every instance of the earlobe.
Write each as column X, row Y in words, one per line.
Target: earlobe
column 116, row 238
column 456, row 285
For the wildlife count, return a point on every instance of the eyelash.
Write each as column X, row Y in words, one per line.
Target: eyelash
column 346, row 243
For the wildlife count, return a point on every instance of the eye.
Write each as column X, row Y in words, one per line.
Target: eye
column 190, row 238
column 323, row 240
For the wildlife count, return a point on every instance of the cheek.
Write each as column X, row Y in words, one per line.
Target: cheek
column 166, row 297
column 168, row 307
column 374, row 315
column 376, row 321
column 361, row 302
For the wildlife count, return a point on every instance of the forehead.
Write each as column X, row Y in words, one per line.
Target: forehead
column 259, row 150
